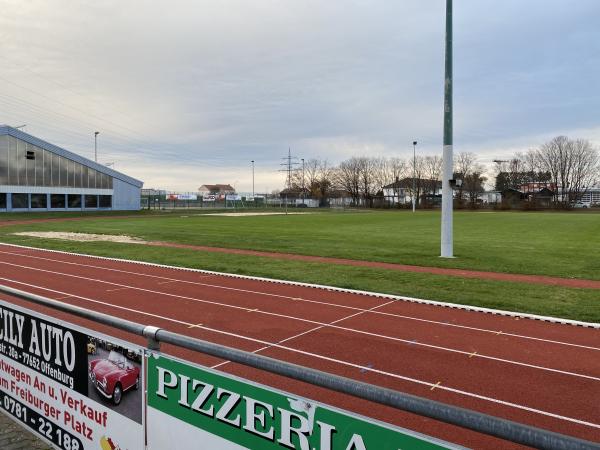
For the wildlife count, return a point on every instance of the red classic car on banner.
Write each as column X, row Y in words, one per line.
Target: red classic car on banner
column 114, row 375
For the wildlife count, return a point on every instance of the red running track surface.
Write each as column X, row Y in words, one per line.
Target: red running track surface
column 538, row 373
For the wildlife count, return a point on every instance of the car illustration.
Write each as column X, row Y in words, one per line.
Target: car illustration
column 114, row 375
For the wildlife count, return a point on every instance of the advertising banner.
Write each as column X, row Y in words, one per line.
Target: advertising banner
column 187, row 197
column 190, row 404
column 209, row 198
column 75, row 388
column 233, row 197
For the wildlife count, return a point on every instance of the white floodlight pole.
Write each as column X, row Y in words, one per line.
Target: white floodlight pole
column 447, row 246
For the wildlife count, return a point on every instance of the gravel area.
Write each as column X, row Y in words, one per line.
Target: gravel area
column 14, row 437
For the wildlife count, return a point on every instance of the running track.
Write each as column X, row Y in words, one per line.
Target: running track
column 539, row 373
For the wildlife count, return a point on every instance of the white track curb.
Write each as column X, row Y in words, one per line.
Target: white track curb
column 499, row 312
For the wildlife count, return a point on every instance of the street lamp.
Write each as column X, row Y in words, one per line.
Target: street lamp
column 96, row 133
column 303, row 181
column 252, row 179
column 414, row 183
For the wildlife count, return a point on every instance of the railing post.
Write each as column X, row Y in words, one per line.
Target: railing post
column 150, row 333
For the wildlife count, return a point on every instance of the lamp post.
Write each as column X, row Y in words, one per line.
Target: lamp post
column 252, row 179
column 414, row 183
column 303, row 181
column 96, row 133
column 447, row 243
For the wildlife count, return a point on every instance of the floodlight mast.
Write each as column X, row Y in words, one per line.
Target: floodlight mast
column 447, row 250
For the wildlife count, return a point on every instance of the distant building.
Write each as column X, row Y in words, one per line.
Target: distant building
column 218, row 190
column 38, row 176
column 400, row 191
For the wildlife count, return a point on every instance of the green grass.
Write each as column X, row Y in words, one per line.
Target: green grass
column 554, row 244
column 577, row 304
column 559, row 244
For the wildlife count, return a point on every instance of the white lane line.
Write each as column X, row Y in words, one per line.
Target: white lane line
column 118, row 289
column 304, row 333
column 268, row 294
column 448, row 305
column 352, row 330
column 323, row 357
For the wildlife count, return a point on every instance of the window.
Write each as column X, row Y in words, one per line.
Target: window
column 74, row 201
column 57, row 201
column 20, row 201
column 105, row 201
column 2, row 201
column 39, row 200
column 91, row 201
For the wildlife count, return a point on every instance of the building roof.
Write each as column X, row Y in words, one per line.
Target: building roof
column 217, row 187
column 407, row 183
column 10, row 131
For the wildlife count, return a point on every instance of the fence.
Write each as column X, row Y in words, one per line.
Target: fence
column 472, row 420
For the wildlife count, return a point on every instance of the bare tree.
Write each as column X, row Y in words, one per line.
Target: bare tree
column 465, row 164
column 347, row 177
column 433, row 172
column 586, row 168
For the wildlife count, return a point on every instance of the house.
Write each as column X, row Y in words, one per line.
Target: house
column 490, row 197
column 542, row 198
column 215, row 191
column 512, row 197
column 400, row 191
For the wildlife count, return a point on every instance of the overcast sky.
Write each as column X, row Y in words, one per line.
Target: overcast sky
column 188, row 92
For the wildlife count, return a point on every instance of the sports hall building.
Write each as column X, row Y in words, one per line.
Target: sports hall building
column 38, row 176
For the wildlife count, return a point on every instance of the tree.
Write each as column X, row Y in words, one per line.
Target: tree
column 347, row 177
column 572, row 165
column 473, row 186
column 465, row 164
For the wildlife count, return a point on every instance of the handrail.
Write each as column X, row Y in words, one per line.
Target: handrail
column 462, row 417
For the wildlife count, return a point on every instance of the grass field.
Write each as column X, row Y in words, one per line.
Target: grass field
column 556, row 244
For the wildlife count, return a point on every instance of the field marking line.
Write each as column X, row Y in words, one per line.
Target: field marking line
column 118, row 289
column 197, row 325
column 450, row 305
column 400, row 316
column 304, row 333
column 325, row 358
column 435, row 385
column 352, row 330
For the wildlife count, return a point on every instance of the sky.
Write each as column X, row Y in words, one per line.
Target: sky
column 188, row 92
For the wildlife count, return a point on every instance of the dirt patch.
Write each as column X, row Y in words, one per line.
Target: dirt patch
column 82, row 237
column 244, row 214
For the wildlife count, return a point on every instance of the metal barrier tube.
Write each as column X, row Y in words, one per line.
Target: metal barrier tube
column 465, row 418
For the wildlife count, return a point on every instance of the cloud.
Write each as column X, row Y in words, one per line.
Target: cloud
column 188, row 92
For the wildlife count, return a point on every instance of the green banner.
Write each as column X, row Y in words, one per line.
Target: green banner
column 188, row 402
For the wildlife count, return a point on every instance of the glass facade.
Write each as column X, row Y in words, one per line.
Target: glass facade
column 74, row 201
column 23, row 164
column 57, row 201
column 39, row 201
column 20, row 201
column 91, row 201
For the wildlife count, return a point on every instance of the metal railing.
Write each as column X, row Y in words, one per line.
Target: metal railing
column 462, row 417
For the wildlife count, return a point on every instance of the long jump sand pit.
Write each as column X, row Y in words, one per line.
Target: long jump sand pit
column 82, row 237
column 247, row 214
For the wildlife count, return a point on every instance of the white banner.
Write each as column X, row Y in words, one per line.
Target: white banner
column 72, row 387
